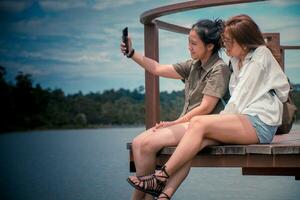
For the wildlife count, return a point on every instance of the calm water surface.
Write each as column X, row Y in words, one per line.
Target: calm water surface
column 93, row 165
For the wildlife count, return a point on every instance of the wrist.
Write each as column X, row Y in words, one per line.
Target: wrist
column 130, row 54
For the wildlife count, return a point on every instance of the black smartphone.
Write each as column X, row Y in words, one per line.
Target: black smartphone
column 125, row 38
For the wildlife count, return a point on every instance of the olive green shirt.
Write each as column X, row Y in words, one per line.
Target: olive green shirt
column 211, row 79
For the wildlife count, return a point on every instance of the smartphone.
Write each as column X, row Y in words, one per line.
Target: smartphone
column 125, row 38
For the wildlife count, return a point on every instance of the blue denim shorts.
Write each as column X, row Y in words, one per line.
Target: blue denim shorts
column 264, row 132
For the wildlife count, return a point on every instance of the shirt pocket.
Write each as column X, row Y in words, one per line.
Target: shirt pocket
column 196, row 93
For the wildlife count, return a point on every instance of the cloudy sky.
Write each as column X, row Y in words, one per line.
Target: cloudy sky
column 74, row 44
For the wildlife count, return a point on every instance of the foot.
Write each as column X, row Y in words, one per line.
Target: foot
column 152, row 184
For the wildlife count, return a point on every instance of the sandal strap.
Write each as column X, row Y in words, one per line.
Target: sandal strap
column 151, row 184
column 166, row 175
column 164, row 196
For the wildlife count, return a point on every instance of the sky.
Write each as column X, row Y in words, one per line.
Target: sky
column 74, row 44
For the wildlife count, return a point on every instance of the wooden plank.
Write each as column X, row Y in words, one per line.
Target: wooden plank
column 281, row 155
column 259, row 149
column 214, row 150
column 290, row 47
column 211, row 160
column 248, row 161
column 172, row 27
column 148, row 16
column 286, row 149
column 280, row 171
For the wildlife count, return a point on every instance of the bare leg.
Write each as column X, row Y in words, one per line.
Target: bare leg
column 175, row 181
column 234, row 129
column 146, row 145
column 145, row 148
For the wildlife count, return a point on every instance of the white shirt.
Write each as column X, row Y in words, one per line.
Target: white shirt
column 250, row 87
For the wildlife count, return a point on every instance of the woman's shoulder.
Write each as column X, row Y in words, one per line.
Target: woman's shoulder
column 190, row 62
column 220, row 64
column 220, row 68
column 262, row 55
column 187, row 64
column 261, row 51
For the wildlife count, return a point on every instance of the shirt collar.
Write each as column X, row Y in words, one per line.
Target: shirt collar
column 234, row 61
column 210, row 62
column 248, row 57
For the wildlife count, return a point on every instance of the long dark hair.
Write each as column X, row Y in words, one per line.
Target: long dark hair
column 210, row 32
column 245, row 31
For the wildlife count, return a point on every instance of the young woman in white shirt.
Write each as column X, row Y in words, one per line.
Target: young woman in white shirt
column 257, row 86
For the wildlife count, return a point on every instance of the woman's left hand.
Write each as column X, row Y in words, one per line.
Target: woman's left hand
column 164, row 124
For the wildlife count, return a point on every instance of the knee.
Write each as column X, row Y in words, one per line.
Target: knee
column 197, row 121
column 144, row 145
column 148, row 146
column 197, row 125
column 136, row 144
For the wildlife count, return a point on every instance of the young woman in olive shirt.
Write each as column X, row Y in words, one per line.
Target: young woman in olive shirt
column 206, row 78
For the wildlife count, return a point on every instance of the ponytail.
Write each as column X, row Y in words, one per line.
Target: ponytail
column 210, row 32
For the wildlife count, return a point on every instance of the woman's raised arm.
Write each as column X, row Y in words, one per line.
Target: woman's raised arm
column 149, row 64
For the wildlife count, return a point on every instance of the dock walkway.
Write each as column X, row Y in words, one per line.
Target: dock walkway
column 281, row 157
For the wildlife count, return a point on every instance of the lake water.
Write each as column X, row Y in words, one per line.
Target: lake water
column 93, row 165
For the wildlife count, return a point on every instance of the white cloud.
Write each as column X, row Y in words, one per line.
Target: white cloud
column 41, row 27
column 106, row 4
column 68, row 55
column 47, row 27
column 287, row 26
column 14, row 66
column 58, row 5
column 277, row 22
column 91, row 36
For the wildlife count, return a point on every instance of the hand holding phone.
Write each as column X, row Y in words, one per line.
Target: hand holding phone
column 125, row 39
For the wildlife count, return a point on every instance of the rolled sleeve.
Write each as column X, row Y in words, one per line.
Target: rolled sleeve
column 183, row 68
column 217, row 82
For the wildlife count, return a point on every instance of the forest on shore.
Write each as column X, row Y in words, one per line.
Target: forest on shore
column 25, row 106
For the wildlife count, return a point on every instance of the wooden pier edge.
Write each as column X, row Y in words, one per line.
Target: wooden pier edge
column 280, row 158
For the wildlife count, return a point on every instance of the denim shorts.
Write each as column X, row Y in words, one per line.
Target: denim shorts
column 264, row 132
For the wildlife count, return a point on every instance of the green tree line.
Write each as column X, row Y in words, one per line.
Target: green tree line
column 25, row 106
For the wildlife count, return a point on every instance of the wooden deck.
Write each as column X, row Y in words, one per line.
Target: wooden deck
column 281, row 157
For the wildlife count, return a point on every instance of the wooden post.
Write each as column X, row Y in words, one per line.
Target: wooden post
column 151, row 81
column 273, row 41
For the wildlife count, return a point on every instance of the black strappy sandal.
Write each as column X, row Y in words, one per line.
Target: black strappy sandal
column 163, row 196
column 151, row 184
